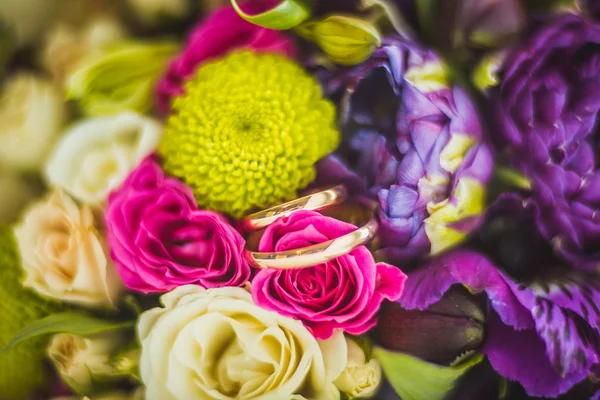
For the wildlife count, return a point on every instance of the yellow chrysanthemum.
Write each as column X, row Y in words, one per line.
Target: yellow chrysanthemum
column 248, row 132
column 22, row 369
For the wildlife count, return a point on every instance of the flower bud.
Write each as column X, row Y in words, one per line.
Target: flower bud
column 346, row 40
column 440, row 334
column 80, row 360
column 361, row 379
column 122, row 78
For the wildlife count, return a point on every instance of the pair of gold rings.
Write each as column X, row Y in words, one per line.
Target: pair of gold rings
column 311, row 255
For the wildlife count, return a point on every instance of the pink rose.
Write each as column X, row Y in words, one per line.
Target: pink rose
column 160, row 240
column 345, row 293
column 222, row 32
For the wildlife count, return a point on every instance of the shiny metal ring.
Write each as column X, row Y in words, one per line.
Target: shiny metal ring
column 316, row 201
column 315, row 254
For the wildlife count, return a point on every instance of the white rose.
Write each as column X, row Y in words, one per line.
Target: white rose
column 95, row 156
column 20, row 194
column 32, row 113
column 155, row 11
column 79, row 360
column 218, row 344
column 67, row 45
column 360, row 379
column 63, row 255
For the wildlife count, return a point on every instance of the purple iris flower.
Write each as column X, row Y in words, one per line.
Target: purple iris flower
column 545, row 335
column 546, row 111
column 417, row 142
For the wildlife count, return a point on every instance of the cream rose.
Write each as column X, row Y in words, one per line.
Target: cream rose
column 360, row 379
column 62, row 254
column 218, row 344
column 67, row 45
column 79, row 360
column 96, row 155
column 32, row 113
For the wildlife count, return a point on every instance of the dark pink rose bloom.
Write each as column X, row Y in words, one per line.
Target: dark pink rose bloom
column 222, row 32
column 160, row 240
column 345, row 293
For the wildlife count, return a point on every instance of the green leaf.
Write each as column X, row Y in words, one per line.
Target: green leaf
column 415, row 379
column 286, row 15
column 66, row 322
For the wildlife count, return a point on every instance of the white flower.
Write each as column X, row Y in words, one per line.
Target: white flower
column 62, row 254
column 32, row 113
column 153, row 12
column 360, row 379
column 79, row 360
column 218, row 344
column 95, row 156
column 67, row 45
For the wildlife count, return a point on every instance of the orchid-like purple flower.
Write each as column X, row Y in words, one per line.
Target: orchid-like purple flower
column 546, row 109
column 544, row 335
column 420, row 149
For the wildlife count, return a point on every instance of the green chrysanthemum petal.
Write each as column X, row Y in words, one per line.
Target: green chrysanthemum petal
column 248, row 132
column 22, row 369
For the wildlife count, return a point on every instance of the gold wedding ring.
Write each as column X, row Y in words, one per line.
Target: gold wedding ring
column 316, row 201
column 316, row 254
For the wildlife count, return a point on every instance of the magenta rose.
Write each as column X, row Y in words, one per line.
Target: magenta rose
column 222, row 32
column 345, row 293
column 160, row 240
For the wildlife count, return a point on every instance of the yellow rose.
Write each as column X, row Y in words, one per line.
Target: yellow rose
column 95, row 156
column 63, row 255
column 79, row 360
column 360, row 379
column 218, row 344
column 32, row 113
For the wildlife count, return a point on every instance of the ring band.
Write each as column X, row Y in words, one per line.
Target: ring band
column 316, row 254
column 316, row 201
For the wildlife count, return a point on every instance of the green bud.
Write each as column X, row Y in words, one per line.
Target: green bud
column 441, row 334
column 345, row 40
column 121, row 78
column 415, row 379
column 485, row 74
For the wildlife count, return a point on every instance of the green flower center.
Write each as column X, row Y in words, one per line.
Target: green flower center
column 248, row 132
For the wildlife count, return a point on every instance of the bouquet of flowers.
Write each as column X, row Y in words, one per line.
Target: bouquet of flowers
column 299, row 199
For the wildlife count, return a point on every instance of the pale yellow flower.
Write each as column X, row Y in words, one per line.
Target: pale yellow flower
column 79, row 360
column 32, row 114
column 360, row 379
column 63, row 255
column 218, row 344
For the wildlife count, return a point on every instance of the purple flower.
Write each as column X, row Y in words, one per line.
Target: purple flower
column 544, row 335
column 546, row 108
column 419, row 147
